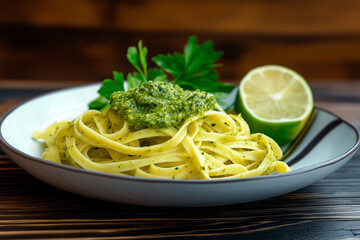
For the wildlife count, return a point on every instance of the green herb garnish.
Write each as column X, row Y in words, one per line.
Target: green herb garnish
column 194, row 69
column 107, row 88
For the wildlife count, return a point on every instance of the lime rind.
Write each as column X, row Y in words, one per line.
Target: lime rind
column 281, row 130
column 282, row 133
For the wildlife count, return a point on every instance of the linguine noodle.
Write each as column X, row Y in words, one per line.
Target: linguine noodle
column 213, row 146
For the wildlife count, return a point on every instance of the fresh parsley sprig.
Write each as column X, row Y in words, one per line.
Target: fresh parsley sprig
column 194, row 69
column 137, row 57
column 107, row 88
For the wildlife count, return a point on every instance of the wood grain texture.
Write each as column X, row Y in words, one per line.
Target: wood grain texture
column 279, row 17
column 90, row 55
column 328, row 209
column 86, row 40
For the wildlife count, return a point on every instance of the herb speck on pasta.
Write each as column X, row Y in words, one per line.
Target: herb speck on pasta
column 157, row 127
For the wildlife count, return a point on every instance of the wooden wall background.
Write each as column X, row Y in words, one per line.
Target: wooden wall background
column 85, row 40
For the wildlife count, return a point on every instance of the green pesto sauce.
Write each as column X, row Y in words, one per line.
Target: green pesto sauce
column 160, row 105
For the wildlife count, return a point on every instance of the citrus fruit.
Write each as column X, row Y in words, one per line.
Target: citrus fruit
column 276, row 101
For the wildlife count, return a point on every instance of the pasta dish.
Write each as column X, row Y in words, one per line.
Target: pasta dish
column 213, row 145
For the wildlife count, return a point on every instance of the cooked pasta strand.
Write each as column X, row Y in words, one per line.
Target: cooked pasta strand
column 214, row 146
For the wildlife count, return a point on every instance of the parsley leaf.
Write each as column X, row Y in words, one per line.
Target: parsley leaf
column 199, row 58
column 137, row 57
column 109, row 86
column 173, row 64
column 100, row 103
column 194, row 69
column 196, row 61
column 208, row 82
column 156, row 74
column 133, row 57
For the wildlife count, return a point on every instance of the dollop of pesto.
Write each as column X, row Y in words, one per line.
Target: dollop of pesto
column 160, row 105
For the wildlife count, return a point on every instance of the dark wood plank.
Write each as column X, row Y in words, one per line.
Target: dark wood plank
column 279, row 17
column 327, row 209
column 86, row 40
column 92, row 55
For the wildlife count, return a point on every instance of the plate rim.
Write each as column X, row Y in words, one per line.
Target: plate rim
column 5, row 145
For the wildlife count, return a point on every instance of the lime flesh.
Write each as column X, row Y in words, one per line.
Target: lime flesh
column 276, row 101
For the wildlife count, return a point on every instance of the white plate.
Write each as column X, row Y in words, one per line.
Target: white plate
column 328, row 144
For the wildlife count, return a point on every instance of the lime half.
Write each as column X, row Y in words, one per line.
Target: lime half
column 276, row 101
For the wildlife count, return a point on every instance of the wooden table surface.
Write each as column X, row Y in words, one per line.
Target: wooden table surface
column 328, row 209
